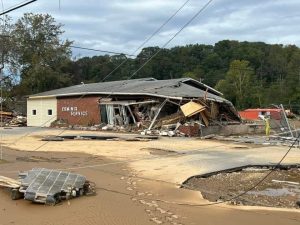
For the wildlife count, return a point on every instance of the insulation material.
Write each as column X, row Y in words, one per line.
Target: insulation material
column 191, row 108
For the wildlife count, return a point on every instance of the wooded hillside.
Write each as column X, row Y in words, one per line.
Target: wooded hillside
column 250, row 74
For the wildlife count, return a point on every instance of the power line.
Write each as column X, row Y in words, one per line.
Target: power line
column 149, row 38
column 227, row 200
column 177, row 33
column 17, row 7
column 131, row 160
column 183, row 185
column 155, row 54
column 180, row 8
column 235, row 197
column 78, row 47
column 172, row 38
column 99, row 50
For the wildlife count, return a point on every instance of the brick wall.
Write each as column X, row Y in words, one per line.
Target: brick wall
column 190, row 130
column 84, row 111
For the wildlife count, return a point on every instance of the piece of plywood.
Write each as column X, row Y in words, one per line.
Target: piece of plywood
column 191, row 108
column 205, row 120
column 8, row 182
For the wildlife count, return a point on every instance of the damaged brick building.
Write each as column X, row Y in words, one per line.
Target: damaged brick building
column 140, row 103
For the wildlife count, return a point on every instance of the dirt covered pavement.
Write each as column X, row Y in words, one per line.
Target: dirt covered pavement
column 99, row 209
column 136, row 182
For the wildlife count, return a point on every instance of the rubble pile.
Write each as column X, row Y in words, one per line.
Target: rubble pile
column 18, row 121
column 162, row 117
column 191, row 118
column 12, row 119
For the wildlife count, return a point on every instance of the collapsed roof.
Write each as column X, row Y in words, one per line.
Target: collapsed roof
column 172, row 89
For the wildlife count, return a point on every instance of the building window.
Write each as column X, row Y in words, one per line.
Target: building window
column 34, row 112
column 49, row 112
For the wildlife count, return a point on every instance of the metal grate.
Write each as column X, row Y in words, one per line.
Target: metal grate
column 40, row 184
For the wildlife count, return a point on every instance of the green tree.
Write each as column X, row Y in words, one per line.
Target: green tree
column 292, row 85
column 6, row 44
column 238, row 83
column 40, row 54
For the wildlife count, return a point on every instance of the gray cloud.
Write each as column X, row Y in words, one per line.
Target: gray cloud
column 122, row 25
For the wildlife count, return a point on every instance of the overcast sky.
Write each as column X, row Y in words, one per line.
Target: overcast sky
column 122, row 25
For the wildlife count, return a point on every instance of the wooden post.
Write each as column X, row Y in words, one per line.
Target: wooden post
column 156, row 115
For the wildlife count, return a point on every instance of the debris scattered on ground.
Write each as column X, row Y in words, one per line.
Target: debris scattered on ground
column 47, row 186
column 6, row 116
column 280, row 189
column 12, row 119
column 18, row 121
column 99, row 137
column 258, row 140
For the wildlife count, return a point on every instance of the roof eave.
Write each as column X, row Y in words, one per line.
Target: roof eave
column 104, row 93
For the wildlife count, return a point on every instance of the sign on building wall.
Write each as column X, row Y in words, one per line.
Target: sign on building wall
column 74, row 111
column 84, row 111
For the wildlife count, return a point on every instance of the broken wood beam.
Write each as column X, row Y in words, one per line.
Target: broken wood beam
column 158, row 112
column 205, row 120
column 9, row 182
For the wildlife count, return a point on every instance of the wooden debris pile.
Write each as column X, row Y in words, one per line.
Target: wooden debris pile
column 190, row 117
column 11, row 119
column 163, row 116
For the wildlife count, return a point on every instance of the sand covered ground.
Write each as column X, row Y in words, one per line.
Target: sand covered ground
column 136, row 180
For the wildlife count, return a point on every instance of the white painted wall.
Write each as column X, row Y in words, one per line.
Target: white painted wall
column 41, row 105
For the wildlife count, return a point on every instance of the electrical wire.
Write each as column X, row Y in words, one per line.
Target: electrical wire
column 172, row 38
column 211, row 203
column 208, row 204
column 194, row 152
column 182, row 185
column 99, row 50
column 149, row 38
column 20, row 5
column 262, row 180
column 10, row 7
column 258, row 183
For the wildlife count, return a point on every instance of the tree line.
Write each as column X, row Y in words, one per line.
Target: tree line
column 250, row 74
